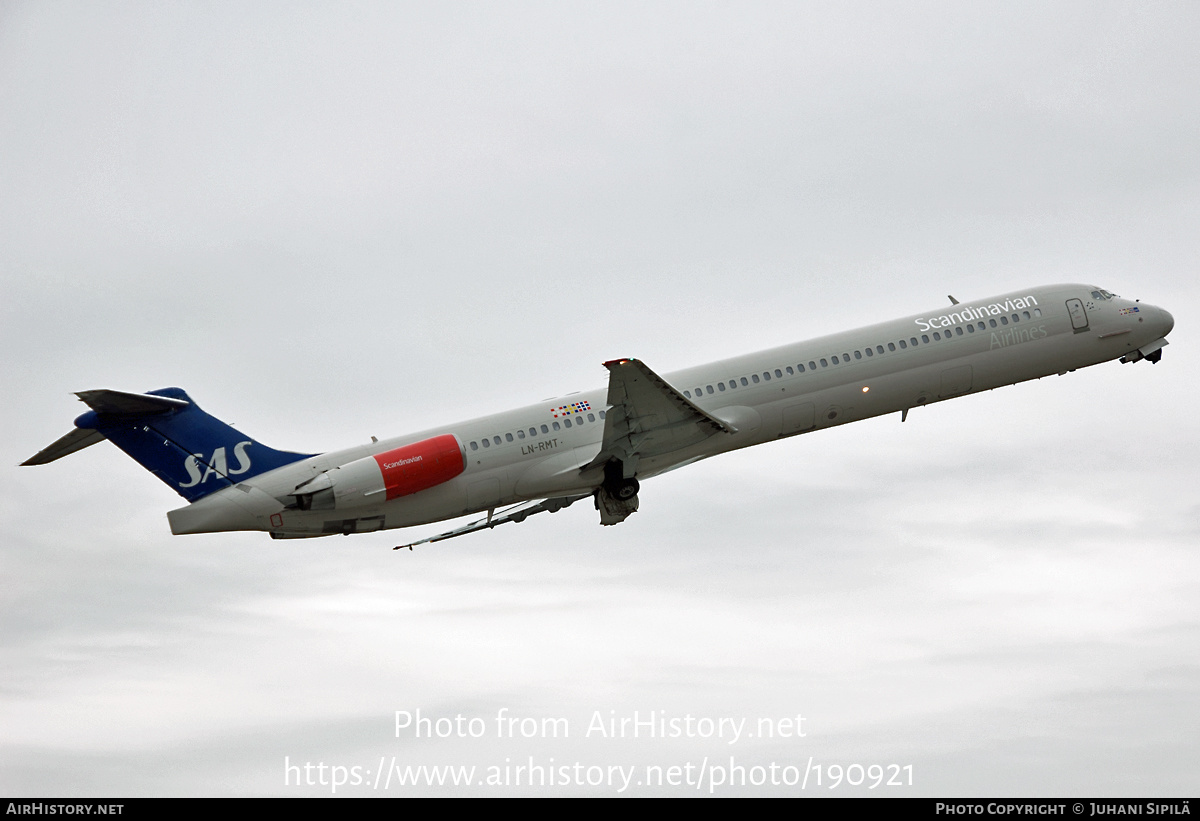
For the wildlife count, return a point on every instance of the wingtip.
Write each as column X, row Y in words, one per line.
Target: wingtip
column 612, row 363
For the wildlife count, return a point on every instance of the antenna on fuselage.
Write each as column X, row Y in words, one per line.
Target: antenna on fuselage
column 953, row 301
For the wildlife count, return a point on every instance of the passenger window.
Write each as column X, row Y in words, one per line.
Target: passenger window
column 779, row 373
column 520, row 434
column 824, row 364
column 474, row 446
column 545, row 429
column 835, row 359
column 1016, row 317
column 699, row 392
column 879, row 349
column 870, row 352
column 845, row 357
column 925, row 338
column 601, row 414
column 732, row 383
column 959, row 330
column 688, row 394
column 709, row 388
column 721, row 386
column 508, row 437
column 567, row 421
column 789, row 371
column 533, row 431
column 556, row 426
column 812, row 366
column 1003, row 320
column 902, row 345
column 800, row 367
column 891, row 346
column 937, row 336
column 591, row 417
column 970, row 329
column 486, row 443
column 912, row 340
column 858, row 354
column 745, row 383
column 496, row 439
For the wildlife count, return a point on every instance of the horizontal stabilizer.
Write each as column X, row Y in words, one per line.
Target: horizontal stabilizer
column 167, row 433
column 120, row 402
column 77, row 439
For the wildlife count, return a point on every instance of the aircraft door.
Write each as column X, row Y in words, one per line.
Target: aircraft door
column 1079, row 318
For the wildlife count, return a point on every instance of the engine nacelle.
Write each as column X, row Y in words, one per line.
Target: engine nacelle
column 384, row 476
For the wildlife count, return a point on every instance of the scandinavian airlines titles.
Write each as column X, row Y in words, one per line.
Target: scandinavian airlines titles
column 970, row 313
column 409, row 461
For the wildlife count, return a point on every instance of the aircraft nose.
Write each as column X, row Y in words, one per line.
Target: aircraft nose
column 1168, row 321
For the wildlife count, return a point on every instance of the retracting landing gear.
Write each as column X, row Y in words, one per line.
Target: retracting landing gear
column 1152, row 353
column 1153, row 358
column 617, row 497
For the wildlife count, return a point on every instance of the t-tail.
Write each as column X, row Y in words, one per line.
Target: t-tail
column 169, row 435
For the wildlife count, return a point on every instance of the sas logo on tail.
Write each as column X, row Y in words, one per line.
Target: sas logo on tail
column 216, row 465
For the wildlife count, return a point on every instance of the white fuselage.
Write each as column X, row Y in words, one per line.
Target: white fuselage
column 538, row 451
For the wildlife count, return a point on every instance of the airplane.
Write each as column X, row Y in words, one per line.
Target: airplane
column 600, row 444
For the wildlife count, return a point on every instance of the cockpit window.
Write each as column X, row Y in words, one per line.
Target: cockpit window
column 1100, row 293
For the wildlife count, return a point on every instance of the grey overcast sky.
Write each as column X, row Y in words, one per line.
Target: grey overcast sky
column 333, row 221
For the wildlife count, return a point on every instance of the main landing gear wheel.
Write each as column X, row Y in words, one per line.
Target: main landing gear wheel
column 616, row 485
column 626, row 490
column 617, row 497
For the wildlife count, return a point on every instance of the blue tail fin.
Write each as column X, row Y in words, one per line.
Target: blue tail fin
column 169, row 435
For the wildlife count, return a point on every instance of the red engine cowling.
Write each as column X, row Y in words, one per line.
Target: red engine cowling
column 420, row 465
column 374, row 479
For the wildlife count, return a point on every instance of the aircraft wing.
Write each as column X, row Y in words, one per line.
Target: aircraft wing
column 646, row 416
column 517, row 513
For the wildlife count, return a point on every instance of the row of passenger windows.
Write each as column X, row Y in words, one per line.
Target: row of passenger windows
column 576, row 420
column 779, row 373
column 837, row 359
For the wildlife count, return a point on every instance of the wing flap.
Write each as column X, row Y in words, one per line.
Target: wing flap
column 519, row 513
